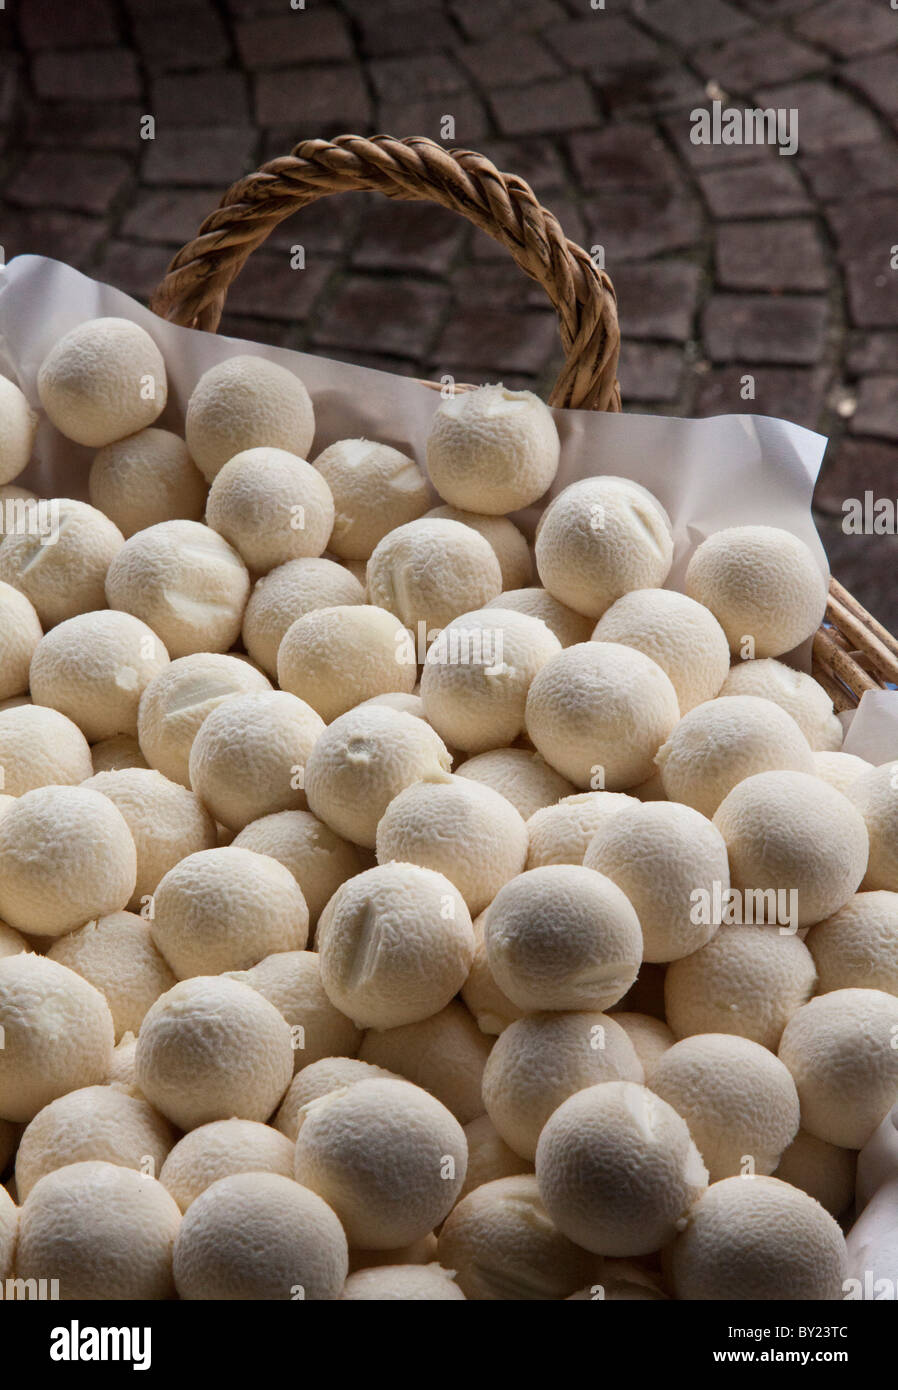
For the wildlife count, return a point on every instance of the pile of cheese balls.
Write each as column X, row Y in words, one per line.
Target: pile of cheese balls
column 379, row 891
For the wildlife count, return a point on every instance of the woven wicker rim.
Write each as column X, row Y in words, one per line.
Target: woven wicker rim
column 853, row 653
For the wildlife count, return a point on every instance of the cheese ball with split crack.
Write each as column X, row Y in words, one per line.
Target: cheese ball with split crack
column 60, row 563
column 492, row 450
column 386, row 1156
column 428, row 572
column 375, row 488
column 510, row 544
column 598, row 712
column 600, row 538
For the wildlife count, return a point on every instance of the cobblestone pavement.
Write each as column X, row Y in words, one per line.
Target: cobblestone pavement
column 729, row 260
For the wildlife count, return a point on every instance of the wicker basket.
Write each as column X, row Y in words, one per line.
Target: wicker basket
column 852, row 652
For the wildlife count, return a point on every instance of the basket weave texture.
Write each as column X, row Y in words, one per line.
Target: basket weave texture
column 852, row 652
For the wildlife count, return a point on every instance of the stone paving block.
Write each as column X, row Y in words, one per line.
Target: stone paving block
column 782, row 255
column 369, row 314
column 297, row 36
column 544, row 107
column 536, row 160
column 428, row 117
column 827, row 117
column 481, row 21
column 787, row 393
column 849, row 30
column 770, row 189
column 75, row 180
column 497, row 340
column 171, row 216
column 761, row 328
column 271, row 331
column 649, row 373
column 66, row 236
column 601, row 42
column 137, row 268
column 646, row 222
column 190, row 37
column 702, row 158
column 415, row 31
column 754, row 60
column 871, row 352
column 495, row 286
column 327, row 226
column 714, row 20
column 86, row 125
column 877, row 78
column 409, row 236
column 865, row 236
column 203, row 155
column 512, row 60
column 621, row 157
column 877, row 410
column 649, row 88
column 414, row 78
column 268, row 287
column 314, row 101
column 60, row 24
column 657, row 299
column 68, row 74
column 216, row 97
column 855, row 466
column 859, row 171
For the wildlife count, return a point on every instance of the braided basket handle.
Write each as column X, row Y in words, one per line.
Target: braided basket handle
column 416, row 169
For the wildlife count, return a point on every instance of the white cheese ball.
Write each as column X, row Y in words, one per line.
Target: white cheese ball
column 857, row 948
column 840, row 770
column 737, row 1098
column 650, row 1037
column 875, row 795
column 9, row 1230
column 116, row 753
column 20, row 635
column 362, row 761
column 489, row 1157
column 66, row 856
column 569, row 627
column 259, row 1236
column 16, row 504
column 287, row 593
column 395, row 943
column 177, row 701
column 117, row 955
column 522, row 777
column 66, row 575
column 386, row 1156
column 662, row 855
column 477, row 675
column 503, row 1245
column 561, row 834
column 790, row 832
column 600, row 538
column 402, row 1282
column 840, row 1049
column 105, row 1232
column 541, row 1060
column 685, row 640
column 11, row 942
column 244, row 403
column 227, row 909
column 463, row 830
column 144, row 479
column 490, row 1005
column 763, row 586
column 272, row 506
column 122, row 1068
column 213, row 1048
column 795, row 692
column 98, row 1123
column 758, row 1238
column 621, row 1281
column 318, row 858
column 291, row 981
column 335, row 658
column 510, row 544
column 219, row 1150
column 94, row 668
column 563, row 937
column 445, row 1054
column 40, row 1003
column 18, row 423
column 250, row 754
column 824, row 1171
column 720, row 743
column 185, row 581
column 428, row 572
column 321, row 1079
column 617, row 1169
column 598, row 712
column 375, row 488
column 492, row 450
column 103, row 380
column 748, row 980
